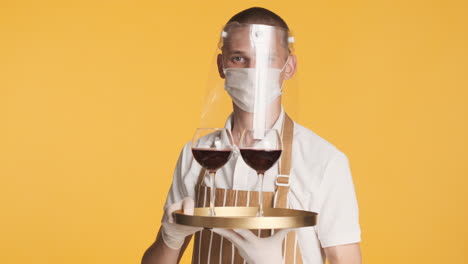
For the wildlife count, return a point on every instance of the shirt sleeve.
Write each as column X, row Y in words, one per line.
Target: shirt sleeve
column 338, row 216
column 177, row 191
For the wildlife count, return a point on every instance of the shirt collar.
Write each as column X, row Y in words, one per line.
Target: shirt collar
column 278, row 124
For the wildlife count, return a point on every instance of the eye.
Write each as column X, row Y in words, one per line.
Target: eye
column 238, row 59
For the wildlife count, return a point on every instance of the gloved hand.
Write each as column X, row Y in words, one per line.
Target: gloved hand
column 253, row 249
column 174, row 234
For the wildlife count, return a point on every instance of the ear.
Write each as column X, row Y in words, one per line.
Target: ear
column 220, row 66
column 290, row 68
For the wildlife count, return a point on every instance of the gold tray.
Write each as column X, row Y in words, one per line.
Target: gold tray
column 245, row 218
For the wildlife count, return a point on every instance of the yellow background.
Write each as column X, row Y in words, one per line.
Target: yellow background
column 97, row 99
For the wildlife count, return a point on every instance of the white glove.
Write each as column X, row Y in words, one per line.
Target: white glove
column 253, row 249
column 174, row 234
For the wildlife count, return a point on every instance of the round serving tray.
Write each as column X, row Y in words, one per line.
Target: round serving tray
column 245, row 218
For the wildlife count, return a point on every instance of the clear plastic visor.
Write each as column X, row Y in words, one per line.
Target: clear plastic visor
column 253, row 58
column 254, row 46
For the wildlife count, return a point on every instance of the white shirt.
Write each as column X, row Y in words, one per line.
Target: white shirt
column 320, row 181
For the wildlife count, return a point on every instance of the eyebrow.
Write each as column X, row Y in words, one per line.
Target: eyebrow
column 273, row 54
column 237, row 52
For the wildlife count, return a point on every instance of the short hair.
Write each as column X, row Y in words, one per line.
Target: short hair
column 259, row 15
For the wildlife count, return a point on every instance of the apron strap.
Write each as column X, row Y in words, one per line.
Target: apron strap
column 284, row 165
column 290, row 249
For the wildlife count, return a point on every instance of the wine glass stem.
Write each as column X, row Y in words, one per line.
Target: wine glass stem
column 212, row 193
column 260, row 196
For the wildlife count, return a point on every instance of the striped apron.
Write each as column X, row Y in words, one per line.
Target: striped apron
column 212, row 248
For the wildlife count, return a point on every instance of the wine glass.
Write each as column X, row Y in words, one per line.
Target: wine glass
column 212, row 148
column 260, row 151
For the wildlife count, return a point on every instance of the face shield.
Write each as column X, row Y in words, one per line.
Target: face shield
column 253, row 63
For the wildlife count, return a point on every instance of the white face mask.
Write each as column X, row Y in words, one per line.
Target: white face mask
column 240, row 85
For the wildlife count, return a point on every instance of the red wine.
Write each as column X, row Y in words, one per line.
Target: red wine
column 259, row 159
column 211, row 159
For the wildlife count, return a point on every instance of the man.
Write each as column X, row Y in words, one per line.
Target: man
column 320, row 179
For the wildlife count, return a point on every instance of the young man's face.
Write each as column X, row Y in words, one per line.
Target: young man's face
column 240, row 51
